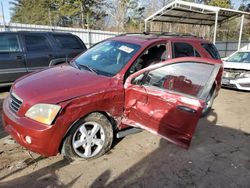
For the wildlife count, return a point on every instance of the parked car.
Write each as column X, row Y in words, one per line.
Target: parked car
column 115, row 88
column 237, row 71
column 25, row 52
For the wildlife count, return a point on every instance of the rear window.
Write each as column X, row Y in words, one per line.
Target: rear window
column 36, row 43
column 211, row 49
column 68, row 42
column 184, row 50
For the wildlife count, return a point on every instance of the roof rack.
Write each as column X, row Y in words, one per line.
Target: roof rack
column 125, row 34
column 180, row 34
column 162, row 34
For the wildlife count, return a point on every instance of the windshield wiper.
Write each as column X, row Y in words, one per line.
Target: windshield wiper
column 85, row 66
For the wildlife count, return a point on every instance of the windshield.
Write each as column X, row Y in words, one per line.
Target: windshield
column 107, row 58
column 240, row 57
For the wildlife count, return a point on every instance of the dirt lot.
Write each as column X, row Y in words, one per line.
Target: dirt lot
column 218, row 157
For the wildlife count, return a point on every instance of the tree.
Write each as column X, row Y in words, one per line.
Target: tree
column 30, row 11
column 125, row 13
column 245, row 7
column 85, row 12
column 221, row 3
column 59, row 12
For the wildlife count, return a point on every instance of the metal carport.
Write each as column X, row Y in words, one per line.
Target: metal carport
column 183, row 12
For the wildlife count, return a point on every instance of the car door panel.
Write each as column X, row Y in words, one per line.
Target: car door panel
column 38, row 51
column 170, row 114
column 136, row 107
column 166, row 107
column 12, row 62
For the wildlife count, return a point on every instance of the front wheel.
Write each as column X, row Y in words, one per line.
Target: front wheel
column 89, row 138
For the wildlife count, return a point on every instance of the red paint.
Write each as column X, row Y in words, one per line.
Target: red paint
column 80, row 92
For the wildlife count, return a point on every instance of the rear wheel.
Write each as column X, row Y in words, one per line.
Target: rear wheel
column 209, row 103
column 89, row 138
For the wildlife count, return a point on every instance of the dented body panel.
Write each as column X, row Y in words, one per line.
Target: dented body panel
column 172, row 115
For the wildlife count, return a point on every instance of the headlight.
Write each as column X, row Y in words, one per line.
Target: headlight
column 43, row 113
column 245, row 75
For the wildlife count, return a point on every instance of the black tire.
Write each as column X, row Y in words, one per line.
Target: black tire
column 72, row 153
column 209, row 103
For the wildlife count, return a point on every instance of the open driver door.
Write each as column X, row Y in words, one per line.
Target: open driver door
column 167, row 99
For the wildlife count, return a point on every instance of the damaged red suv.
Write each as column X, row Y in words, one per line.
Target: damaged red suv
column 163, row 84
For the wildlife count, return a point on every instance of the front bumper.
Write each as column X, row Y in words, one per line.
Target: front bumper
column 43, row 138
column 241, row 83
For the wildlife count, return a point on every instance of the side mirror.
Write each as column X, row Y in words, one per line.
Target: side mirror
column 135, row 79
column 58, row 61
column 138, row 80
column 224, row 58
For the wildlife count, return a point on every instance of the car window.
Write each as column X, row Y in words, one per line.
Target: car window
column 211, row 49
column 36, row 43
column 68, row 42
column 153, row 55
column 9, row 43
column 238, row 57
column 181, row 49
column 186, row 77
column 108, row 57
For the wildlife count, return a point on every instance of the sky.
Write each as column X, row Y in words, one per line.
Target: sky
column 6, row 9
column 7, row 14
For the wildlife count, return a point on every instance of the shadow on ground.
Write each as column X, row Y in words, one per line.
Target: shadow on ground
column 218, row 157
column 45, row 177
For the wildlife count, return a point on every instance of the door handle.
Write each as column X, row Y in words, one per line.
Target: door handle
column 186, row 109
column 19, row 57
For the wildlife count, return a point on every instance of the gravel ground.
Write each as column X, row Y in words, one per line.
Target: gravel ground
column 219, row 156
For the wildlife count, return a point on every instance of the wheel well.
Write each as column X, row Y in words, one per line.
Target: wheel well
column 107, row 115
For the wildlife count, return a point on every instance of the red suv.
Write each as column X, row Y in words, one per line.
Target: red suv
column 124, row 84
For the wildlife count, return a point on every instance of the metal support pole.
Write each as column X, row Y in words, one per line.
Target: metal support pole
column 4, row 24
column 215, row 27
column 50, row 22
column 89, row 39
column 241, row 30
column 146, row 25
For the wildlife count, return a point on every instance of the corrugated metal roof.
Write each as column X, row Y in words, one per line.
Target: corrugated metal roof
column 192, row 13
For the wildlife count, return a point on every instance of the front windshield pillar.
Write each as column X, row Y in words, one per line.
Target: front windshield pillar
column 241, row 30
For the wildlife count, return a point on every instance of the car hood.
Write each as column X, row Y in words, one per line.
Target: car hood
column 58, row 84
column 235, row 65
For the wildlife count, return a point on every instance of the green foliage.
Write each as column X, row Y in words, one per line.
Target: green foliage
column 84, row 12
column 59, row 12
column 30, row 11
column 221, row 3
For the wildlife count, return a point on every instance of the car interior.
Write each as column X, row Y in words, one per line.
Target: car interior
column 151, row 56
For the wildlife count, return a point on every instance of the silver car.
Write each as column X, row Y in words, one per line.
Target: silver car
column 237, row 71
